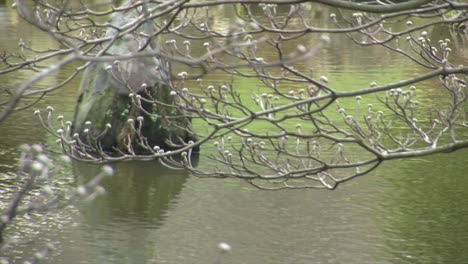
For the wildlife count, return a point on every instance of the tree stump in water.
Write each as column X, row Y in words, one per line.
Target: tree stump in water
column 109, row 89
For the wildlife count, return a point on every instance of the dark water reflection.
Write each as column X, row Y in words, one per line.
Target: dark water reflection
column 411, row 211
column 117, row 227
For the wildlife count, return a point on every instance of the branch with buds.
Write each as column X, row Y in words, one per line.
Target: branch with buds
column 35, row 174
column 295, row 129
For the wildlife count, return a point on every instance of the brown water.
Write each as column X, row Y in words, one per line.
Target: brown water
column 412, row 211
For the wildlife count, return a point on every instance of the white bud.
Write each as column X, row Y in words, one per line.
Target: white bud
column 173, row 93
column 301, row 48
column 25, row 148
column 409, row 23
column 47, row 190
column 108, row 170
column 324, row 79
column 65, row 159
column 254, row 26
column 325, row 39
column 42, row 158
column 37, row 148
column 81, row 190
column 37, row 166
column 224, row 247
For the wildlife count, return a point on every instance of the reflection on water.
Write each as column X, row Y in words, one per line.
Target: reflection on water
column 117, row 227
column 410, row 211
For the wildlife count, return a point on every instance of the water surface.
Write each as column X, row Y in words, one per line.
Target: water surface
column 411, row 211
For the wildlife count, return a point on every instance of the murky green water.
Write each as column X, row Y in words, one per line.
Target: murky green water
column 412, row 211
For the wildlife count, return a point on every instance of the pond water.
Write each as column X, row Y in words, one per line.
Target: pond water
column 411, row 211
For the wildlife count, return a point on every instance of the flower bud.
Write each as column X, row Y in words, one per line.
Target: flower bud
column 81, row 190
column 108, row 170
column 224, row 247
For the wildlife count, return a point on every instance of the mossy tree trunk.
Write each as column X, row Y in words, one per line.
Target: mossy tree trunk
column 104, row 98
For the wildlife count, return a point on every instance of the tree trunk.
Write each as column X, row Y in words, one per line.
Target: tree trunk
column 108, row 89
